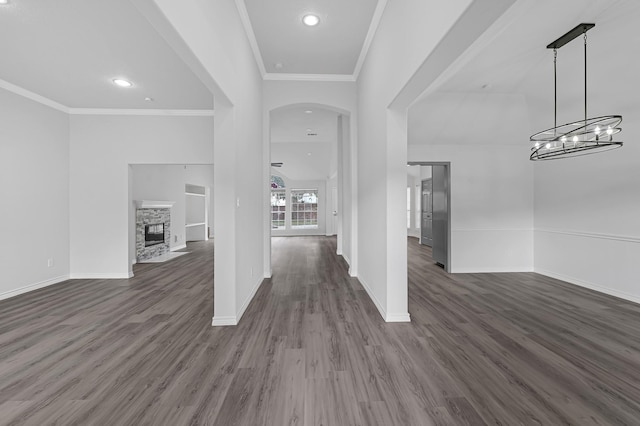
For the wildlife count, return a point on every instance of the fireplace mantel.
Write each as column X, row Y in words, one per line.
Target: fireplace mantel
column 148, row 204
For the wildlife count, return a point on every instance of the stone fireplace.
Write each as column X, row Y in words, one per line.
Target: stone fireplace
column 153, row 229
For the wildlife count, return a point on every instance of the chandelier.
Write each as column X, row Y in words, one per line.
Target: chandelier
column 581, row 137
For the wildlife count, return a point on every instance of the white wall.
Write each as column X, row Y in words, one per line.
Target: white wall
column 491, row 205
column 491, row 177
column 213, row 33
column 202, row 175
column 34, row 180
column 101, row 149
column 166, row 182
column 408, row 32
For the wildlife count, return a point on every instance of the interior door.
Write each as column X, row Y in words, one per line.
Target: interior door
column 426, row 213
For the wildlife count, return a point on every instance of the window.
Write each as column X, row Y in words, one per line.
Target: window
column 278, row 207
column 277, row 182
column 304, row 208
column 417, row 206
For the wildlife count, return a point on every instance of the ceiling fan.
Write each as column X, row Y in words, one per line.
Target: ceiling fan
column 276, row 164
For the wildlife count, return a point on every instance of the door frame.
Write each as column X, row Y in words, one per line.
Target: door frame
column 447, row 165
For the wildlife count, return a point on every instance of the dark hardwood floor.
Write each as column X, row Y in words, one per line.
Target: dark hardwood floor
column 504, row 349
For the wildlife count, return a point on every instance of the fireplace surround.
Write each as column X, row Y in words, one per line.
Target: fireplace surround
column 153, row 229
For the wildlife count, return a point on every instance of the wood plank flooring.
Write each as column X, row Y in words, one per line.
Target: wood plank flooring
column 503, row 349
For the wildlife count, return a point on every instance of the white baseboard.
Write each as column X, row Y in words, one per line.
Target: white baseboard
column 373, row 298
column 218, row 321
column 31, row 287
column 590, row 286
column 100, row 276
column 180, row 247
column 485, row 270
column 403, row 317
column 398, row 318
column 248, row 300
column 223, row 321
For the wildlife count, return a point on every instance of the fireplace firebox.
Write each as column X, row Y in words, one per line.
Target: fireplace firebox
column 153, row 234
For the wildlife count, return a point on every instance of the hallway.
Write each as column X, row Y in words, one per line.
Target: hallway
column 312, row 349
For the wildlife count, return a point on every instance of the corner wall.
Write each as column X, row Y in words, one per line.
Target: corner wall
column 587, row 209
column 587, row 230
column 407, row 34
column 34, row 176
column 212, row 35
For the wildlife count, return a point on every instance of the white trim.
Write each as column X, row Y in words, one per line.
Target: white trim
column 145, row 112
column 492, row 230
column 489, row 269
column 33, row 96
column 589, row 285
column 32, row 287
column 223, row 321
column 183, row 246
column 398, row 317
column 100, row 276
column 308, row 77
column 251, row 36
column 372, row 296
column 248, row 300
column 148, row 204
column 627, row 238
column 373, row 28
column 103, row 111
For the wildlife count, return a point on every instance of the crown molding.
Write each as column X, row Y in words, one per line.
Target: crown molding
column 103, row 111
column 147, row 112
column 33, row 96
column 308, row 77
column 373, row 28
column 251, row 36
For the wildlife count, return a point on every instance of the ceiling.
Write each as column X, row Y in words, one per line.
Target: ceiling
column 502, row 81
column 298, row 125
column 306, row 143
column 69, row 52
column 287, row 46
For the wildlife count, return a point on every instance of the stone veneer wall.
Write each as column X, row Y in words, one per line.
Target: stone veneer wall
column 147, row 217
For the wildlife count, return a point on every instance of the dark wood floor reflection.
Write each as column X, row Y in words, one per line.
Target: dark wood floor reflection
column 312, row 349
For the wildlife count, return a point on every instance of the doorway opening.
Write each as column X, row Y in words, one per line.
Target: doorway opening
column 310, row 186
column 429, row 210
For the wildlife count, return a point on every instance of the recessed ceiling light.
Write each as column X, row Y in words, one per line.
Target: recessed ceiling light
column 148, row 99
column 279, row 65
column 308, row 111
column 310, row 20
column 122, row 83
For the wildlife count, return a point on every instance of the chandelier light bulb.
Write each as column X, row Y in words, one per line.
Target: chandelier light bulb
column 563, row 139
column 597, row 130
column 575, row 139
column 537, row 144
column 548, row 146
column 609, row 130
